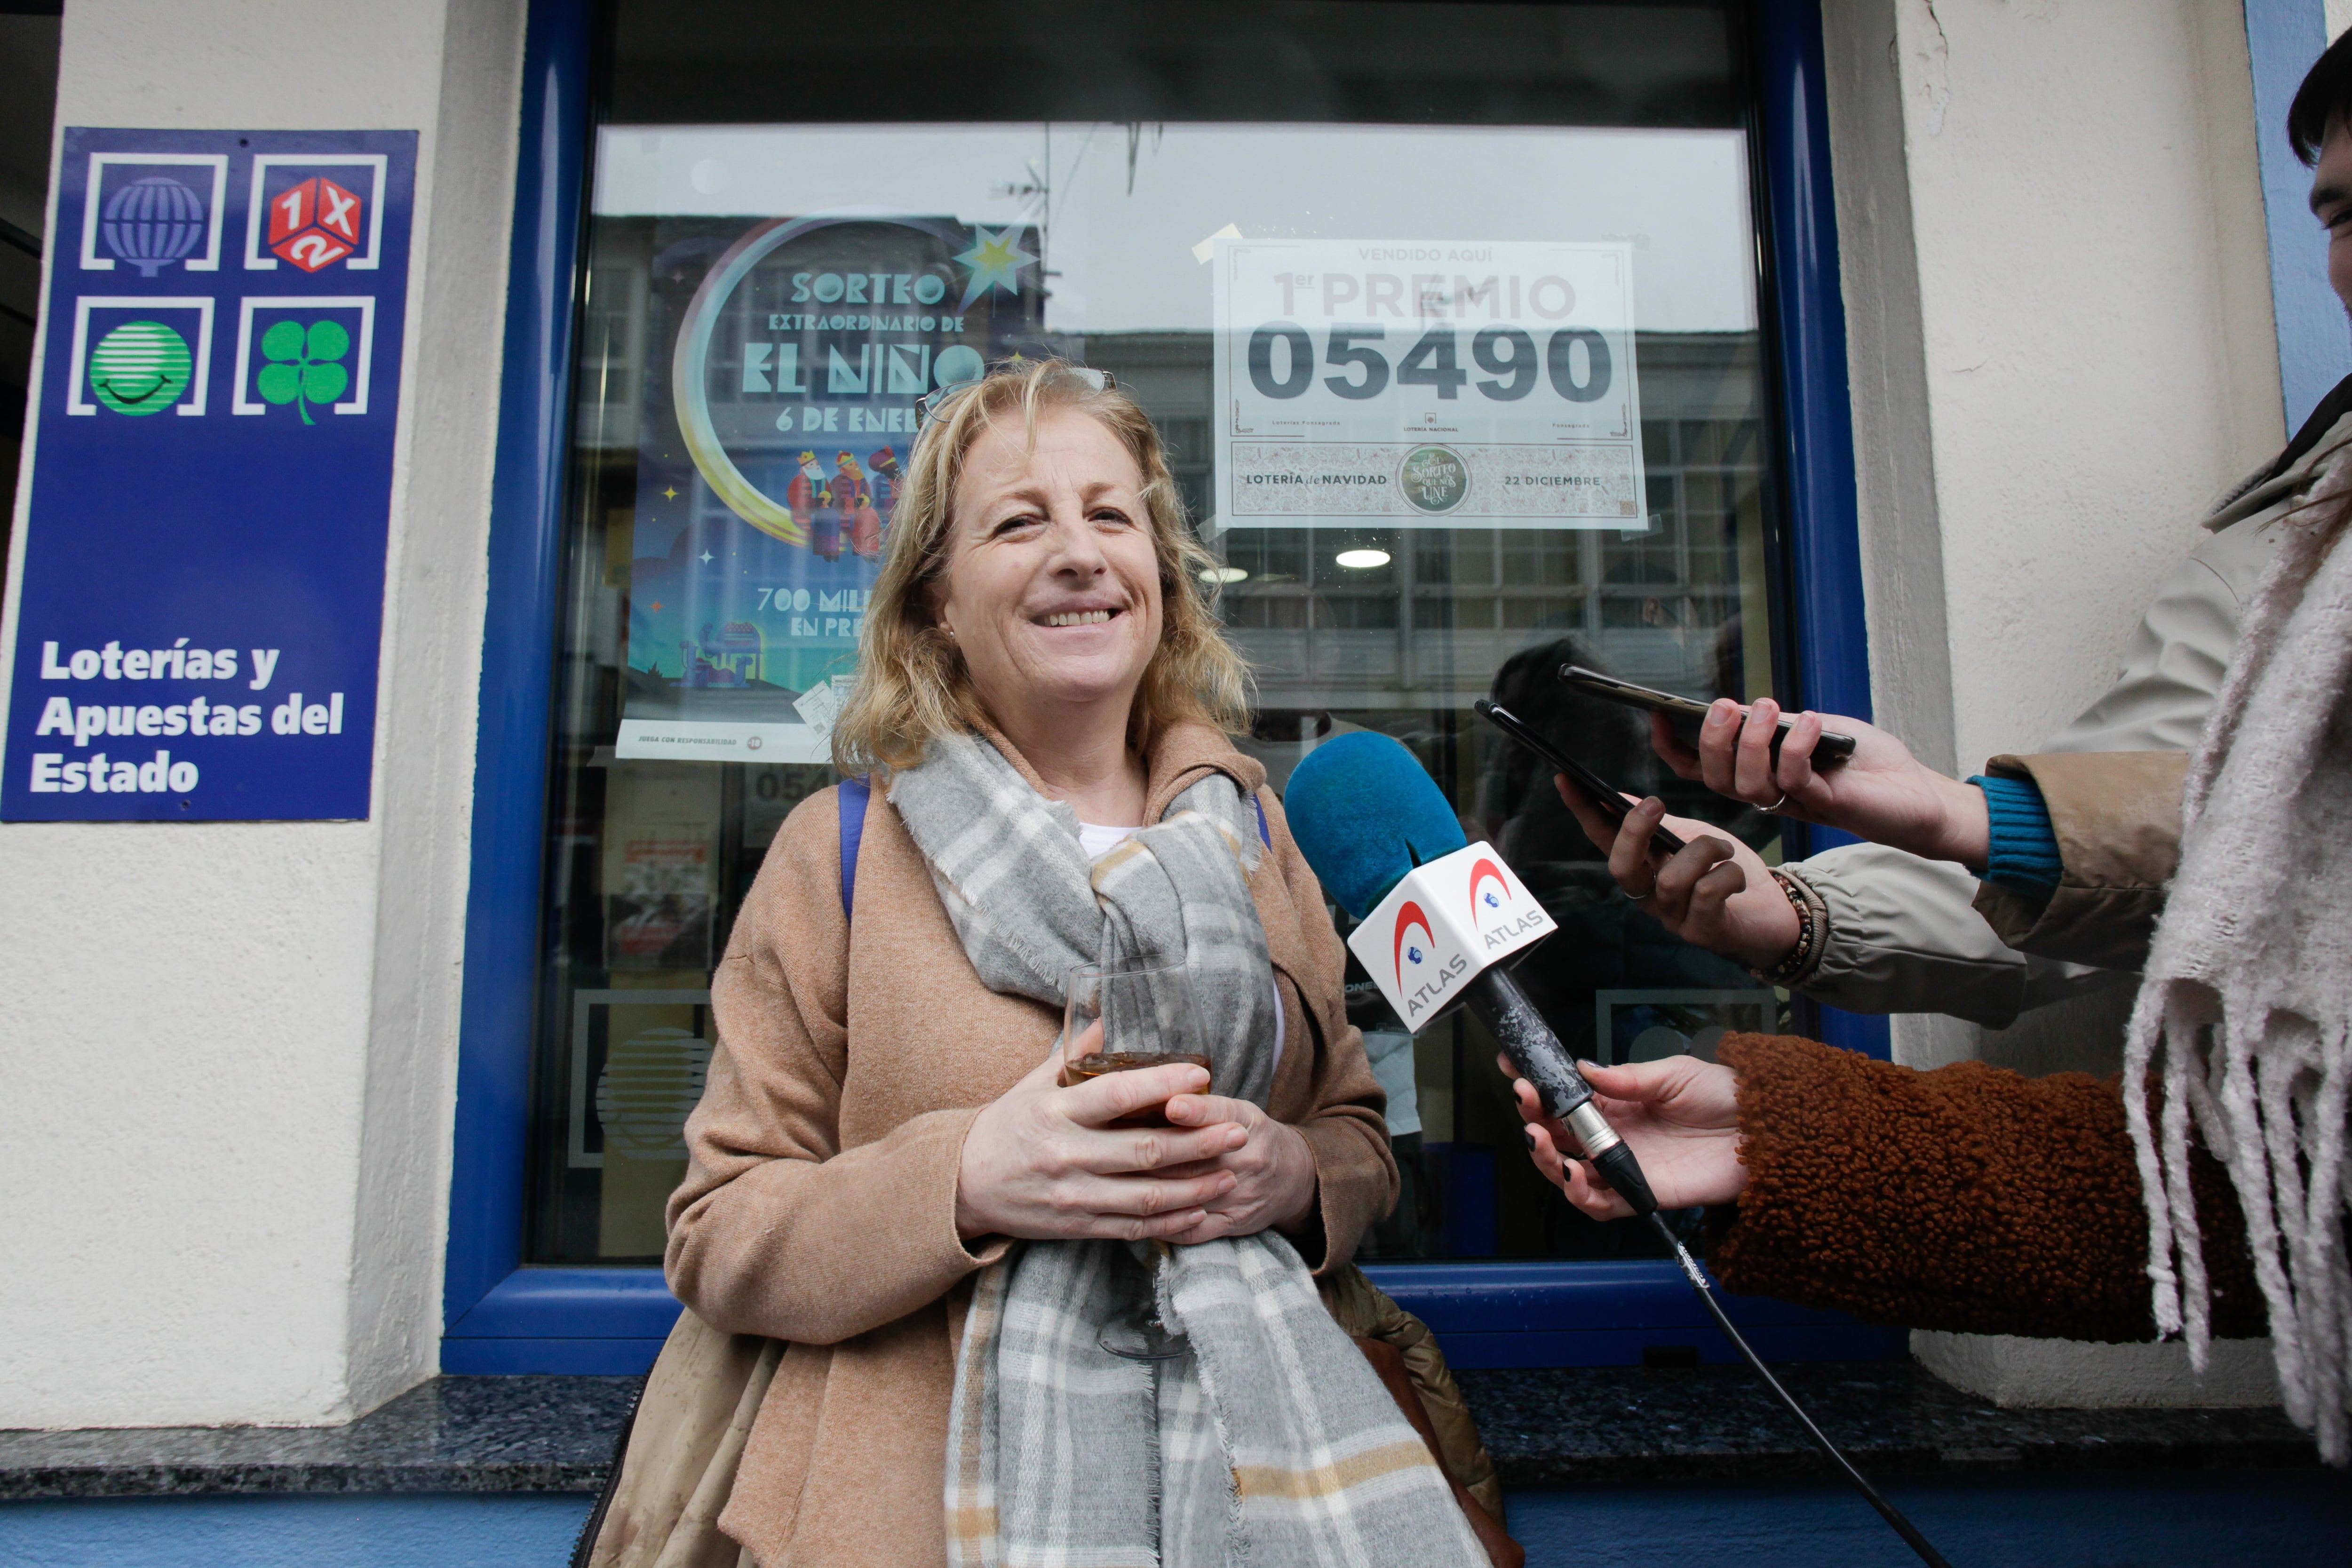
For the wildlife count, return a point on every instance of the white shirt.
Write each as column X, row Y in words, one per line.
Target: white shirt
column 1098, row 841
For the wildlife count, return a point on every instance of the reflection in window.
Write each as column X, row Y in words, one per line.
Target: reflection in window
column 727, row 500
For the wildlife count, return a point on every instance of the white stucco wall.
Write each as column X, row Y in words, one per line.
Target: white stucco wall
column 2062, row 347
column 228, row 1050
column 2094, row 297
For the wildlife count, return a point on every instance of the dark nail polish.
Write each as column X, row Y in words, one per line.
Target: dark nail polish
column 1529, row 1134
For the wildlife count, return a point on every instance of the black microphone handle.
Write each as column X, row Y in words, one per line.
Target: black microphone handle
column 1495, row 999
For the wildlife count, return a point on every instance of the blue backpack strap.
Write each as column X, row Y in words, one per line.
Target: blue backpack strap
column 1263, row 835
column 854, row 795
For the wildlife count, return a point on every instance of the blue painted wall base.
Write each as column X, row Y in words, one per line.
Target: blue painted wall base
column 2281, row 1518
column 495, row 1531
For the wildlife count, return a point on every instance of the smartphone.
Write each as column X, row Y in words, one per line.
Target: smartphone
column 1591, row 785
column 1832, row 750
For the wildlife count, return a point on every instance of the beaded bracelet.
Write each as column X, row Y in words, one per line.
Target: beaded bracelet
column 1812, row 933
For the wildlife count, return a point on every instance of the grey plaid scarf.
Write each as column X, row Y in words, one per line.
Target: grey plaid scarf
column 1274, row 1444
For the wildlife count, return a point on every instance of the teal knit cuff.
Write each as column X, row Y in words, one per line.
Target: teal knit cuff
column 2023, row 853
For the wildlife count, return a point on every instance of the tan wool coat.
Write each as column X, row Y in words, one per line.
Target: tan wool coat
column 819, row 1206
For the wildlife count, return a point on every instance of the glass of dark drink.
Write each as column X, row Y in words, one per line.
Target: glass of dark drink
column 1148, row 1019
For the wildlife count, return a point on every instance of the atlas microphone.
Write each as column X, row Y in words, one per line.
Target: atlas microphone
column 1436, row 917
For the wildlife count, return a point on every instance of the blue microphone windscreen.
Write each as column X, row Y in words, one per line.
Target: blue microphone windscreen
column 1365, row 812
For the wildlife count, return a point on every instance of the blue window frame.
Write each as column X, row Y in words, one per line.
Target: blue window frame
column 502, row 1316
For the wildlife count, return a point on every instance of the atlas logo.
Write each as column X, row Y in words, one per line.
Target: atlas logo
column 1486, row 901
column 1442, row 923
column 1408, row 917
column 1434, row 972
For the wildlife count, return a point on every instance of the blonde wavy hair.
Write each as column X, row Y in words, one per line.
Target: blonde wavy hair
column 911, row 681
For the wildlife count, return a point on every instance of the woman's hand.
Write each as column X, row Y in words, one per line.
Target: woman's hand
column 1042, row 1162
column 1272, row 1169
column 1681, row 1117
column 1714, row 893
column 1881, row 793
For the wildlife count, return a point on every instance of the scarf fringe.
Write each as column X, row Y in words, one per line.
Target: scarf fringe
column 2244, row 1022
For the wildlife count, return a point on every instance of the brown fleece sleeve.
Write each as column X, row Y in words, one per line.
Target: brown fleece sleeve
column 1969, row 1198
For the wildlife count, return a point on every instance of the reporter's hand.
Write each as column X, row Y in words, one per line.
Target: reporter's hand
column 1043, row 1163
column 1714, row 893
column 1680, row 1117
column 1881, row 793
column 1272, row 1169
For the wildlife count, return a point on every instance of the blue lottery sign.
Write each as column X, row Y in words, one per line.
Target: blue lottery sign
column 202, row 599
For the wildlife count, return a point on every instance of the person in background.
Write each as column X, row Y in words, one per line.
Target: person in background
column 1896, row 932
column 901, row 1237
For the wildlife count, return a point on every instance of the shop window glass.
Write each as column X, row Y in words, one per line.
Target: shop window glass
column 1527, row 227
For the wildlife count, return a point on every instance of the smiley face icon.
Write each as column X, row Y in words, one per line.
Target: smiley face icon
column 139, row 367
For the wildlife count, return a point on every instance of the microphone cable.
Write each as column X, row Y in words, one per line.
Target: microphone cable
column 1700, row 1283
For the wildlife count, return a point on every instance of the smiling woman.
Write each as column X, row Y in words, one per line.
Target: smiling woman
column 1009, row 451
column 892, row 1172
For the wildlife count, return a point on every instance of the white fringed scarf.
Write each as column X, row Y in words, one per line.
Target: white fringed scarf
column 2248, row 997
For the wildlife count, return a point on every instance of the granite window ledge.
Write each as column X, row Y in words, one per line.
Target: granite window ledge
column 1562, row 1427
column 450, row 1434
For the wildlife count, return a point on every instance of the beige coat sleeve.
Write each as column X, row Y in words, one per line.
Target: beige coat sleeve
column 2117, row 816
column 1903, row 937
column 777, row 1230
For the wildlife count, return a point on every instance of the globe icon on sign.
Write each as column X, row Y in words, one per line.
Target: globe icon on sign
column 153, row 222
column 139, row 367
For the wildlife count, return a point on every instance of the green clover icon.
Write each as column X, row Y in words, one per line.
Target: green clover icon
column 302, row 368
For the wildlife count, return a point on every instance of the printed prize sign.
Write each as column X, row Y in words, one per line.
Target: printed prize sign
column 793, row 354
column 211, row 481
column 1434, row 385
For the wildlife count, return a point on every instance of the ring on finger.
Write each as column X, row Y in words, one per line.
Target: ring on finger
column 1779, row 803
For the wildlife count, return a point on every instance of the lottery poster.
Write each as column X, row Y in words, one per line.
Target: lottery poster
column 1435, row 384
column 789, row 359
column 215, row 411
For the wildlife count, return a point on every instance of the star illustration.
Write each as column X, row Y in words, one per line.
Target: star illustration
column 657, row 604
column 995, row 260
column 706, row 558
column 671, row 493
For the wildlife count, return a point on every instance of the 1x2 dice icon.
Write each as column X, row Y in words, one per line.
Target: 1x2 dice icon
column 315, row 224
